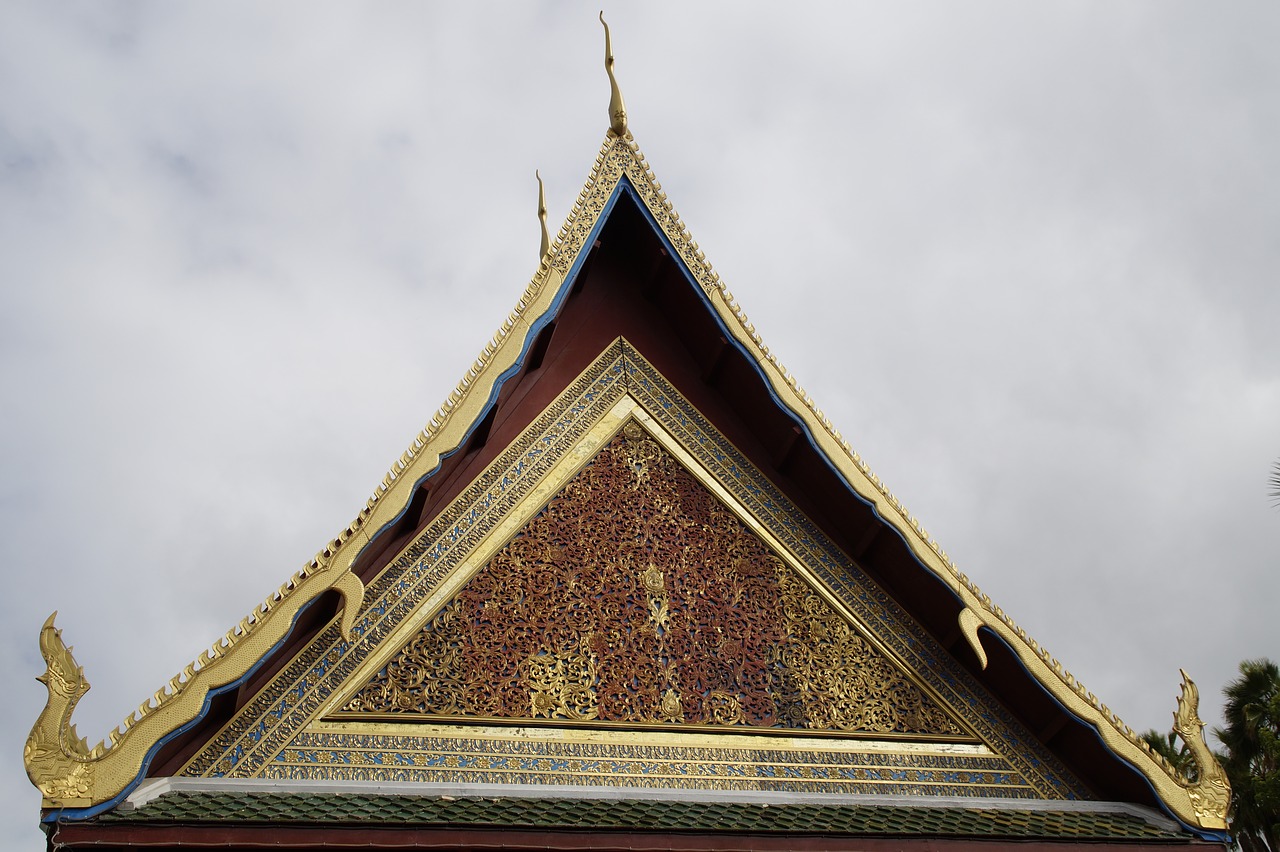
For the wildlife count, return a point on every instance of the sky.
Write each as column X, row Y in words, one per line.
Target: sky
column 1024, row 256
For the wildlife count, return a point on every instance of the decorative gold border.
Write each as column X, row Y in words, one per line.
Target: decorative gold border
column 774, row 738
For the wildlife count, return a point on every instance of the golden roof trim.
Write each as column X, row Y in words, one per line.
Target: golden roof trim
column 1181, row 796
column 619, row 156
column 1177, row 793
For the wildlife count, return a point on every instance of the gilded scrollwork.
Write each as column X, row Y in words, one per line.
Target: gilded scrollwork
column 562, row 686
column 638, row 596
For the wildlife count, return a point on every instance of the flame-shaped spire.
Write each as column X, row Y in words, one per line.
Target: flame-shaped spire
column 542, row 217
column 617, row 109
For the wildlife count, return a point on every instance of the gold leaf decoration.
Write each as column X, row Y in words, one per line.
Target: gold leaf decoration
column 636, row 596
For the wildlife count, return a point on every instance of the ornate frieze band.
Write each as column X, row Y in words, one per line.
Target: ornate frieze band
column 426, row 758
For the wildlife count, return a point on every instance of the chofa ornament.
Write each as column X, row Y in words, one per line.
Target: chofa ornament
column 58, row 761
column 70, row 774
column 1210, row 791
column 617, row 109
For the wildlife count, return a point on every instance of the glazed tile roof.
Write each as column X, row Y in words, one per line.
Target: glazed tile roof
column 187, row 807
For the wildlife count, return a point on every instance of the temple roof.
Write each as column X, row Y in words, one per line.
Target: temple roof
column 624, row 309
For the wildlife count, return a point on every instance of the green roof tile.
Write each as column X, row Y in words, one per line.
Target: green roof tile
column 638, row 815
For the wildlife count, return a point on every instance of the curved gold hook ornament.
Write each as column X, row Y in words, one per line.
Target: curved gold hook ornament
column 969, row 624
column 542, row 218
column 617, row 109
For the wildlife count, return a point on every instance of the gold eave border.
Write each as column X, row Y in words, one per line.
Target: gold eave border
column 1118, row 737
column 736, row 739
column 675, row 732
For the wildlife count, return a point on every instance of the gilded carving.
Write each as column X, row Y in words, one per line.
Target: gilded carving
column 57, row 760
column 1210, row 790
column 576, row 619
column 562, row 686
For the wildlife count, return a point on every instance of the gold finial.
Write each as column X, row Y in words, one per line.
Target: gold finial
column 617, row 109
column 542, row 217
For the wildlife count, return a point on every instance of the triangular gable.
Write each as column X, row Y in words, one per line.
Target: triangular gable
column 920, row 726
column 573, row 622
column 84, row 781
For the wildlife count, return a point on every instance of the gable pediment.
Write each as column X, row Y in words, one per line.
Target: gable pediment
column 483, row 635
column 621, row 584
column 637, row 597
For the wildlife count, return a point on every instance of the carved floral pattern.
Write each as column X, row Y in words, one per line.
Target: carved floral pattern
column 637, row 596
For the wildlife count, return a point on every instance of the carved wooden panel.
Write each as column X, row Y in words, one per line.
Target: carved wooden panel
column 636, row 596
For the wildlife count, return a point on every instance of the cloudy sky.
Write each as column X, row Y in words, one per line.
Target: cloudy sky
column 1024, row 255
